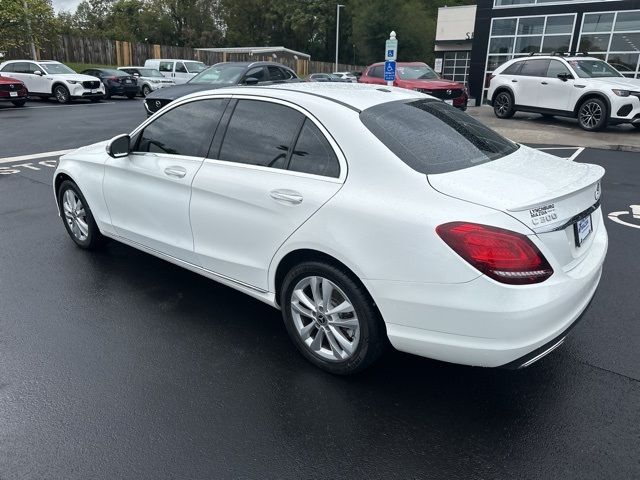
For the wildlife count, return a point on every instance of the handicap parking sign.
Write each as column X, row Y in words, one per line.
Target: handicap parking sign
column 389, row 71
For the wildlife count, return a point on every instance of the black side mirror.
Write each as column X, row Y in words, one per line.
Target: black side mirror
column 565, row 76
column 251, row 81
column 119, row 146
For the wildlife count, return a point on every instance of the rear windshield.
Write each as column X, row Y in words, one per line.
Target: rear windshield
column 433, row 137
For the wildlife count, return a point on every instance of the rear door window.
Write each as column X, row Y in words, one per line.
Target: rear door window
column 513, row 69
column 260, row 133
column 275, row 74
column 313, row 153
column 535, row 68
column 9, row 67
column 185, row 130
column 433, row 137
column 376, row 72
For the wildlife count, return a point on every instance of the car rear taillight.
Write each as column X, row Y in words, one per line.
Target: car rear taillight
column 505, row 256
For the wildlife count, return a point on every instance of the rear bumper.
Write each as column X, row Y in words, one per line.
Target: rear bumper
column 484, row 323
column 123, row 90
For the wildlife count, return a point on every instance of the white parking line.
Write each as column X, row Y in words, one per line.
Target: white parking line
column 34, row 156
column 575, row 155
column 61, row 106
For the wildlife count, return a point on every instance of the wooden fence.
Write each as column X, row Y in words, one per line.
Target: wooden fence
column 102, row 51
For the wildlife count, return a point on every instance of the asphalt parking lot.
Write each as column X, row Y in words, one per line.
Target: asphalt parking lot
column 120, row 365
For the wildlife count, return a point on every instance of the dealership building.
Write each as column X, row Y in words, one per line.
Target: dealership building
column 505, row 29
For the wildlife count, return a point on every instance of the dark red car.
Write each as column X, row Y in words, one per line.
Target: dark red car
column 419, row 76
column 13, row 91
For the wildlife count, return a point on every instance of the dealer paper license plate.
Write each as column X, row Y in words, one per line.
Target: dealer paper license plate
column 582, row 229
column 13, row 94
column 449, row 102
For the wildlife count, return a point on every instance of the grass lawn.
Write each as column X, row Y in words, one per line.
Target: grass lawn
column 79, row 67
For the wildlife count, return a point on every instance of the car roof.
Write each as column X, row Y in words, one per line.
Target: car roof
column 355, row 96
column 557, row 57
column 398, row 63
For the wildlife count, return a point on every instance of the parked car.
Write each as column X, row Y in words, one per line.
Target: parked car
column 116, row 82
column 13, row 90
column 581, row 87
column 348, row 76
column 180, row 71
column 223, row 75
column 47, row 78
column 421, row 78
column 148, row 79
column 327, row 77
column 455, row 243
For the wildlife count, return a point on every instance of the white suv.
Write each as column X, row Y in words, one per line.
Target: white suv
column 581, row 87
column 46, row 78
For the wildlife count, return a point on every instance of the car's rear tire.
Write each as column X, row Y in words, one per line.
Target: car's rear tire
column 19, row 103
column 61, row 93
column 343, row 342
column 77, row 217
column 146, row 90
column 593, row 114
column 503, row 105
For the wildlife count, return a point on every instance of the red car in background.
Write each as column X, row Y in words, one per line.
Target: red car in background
column 419, row 76
column 13, row 91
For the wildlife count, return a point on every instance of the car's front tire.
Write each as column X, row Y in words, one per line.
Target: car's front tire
column 19, row 103
column 331, row 318
column 61, row 93
column 503, row 105
column 77, row 217
column 146, row 90
column 593, row 114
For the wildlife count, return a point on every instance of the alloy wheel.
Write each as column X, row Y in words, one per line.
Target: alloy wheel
column 75, row 215
column 325, row 318
column 61, row 95
column 591, row 114
column 502, row 104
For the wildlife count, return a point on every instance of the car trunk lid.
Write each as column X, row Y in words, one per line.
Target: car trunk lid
column 547, row 194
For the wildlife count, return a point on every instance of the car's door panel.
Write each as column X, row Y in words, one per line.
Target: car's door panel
column 149, row 191
column 241, row 213
column 555, row 94
column 528, row 84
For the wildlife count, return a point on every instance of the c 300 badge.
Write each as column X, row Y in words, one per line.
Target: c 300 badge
column 543, row 214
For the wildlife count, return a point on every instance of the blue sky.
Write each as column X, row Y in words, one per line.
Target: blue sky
column 59, row 5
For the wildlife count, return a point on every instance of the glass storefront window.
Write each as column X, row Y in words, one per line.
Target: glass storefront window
column 531, row 26
column 556, row 43
column 625, row 42
column 528, row 44
column 503, row 26
column 625, row 63
column 560, row 24
column 597, row 22
column 501, row 45
column 594, row 43
column 628, row 21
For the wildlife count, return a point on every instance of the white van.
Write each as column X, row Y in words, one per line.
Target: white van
column 180, row 71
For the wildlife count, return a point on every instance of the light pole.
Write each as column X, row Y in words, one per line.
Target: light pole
column 338, row 7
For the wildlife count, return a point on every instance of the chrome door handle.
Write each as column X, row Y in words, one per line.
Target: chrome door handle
column 177, row 172
column 287, row 196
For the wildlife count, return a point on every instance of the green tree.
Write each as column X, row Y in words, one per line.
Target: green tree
column 14, row 21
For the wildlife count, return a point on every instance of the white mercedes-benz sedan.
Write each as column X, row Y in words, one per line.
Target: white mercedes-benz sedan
column 368, row 215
